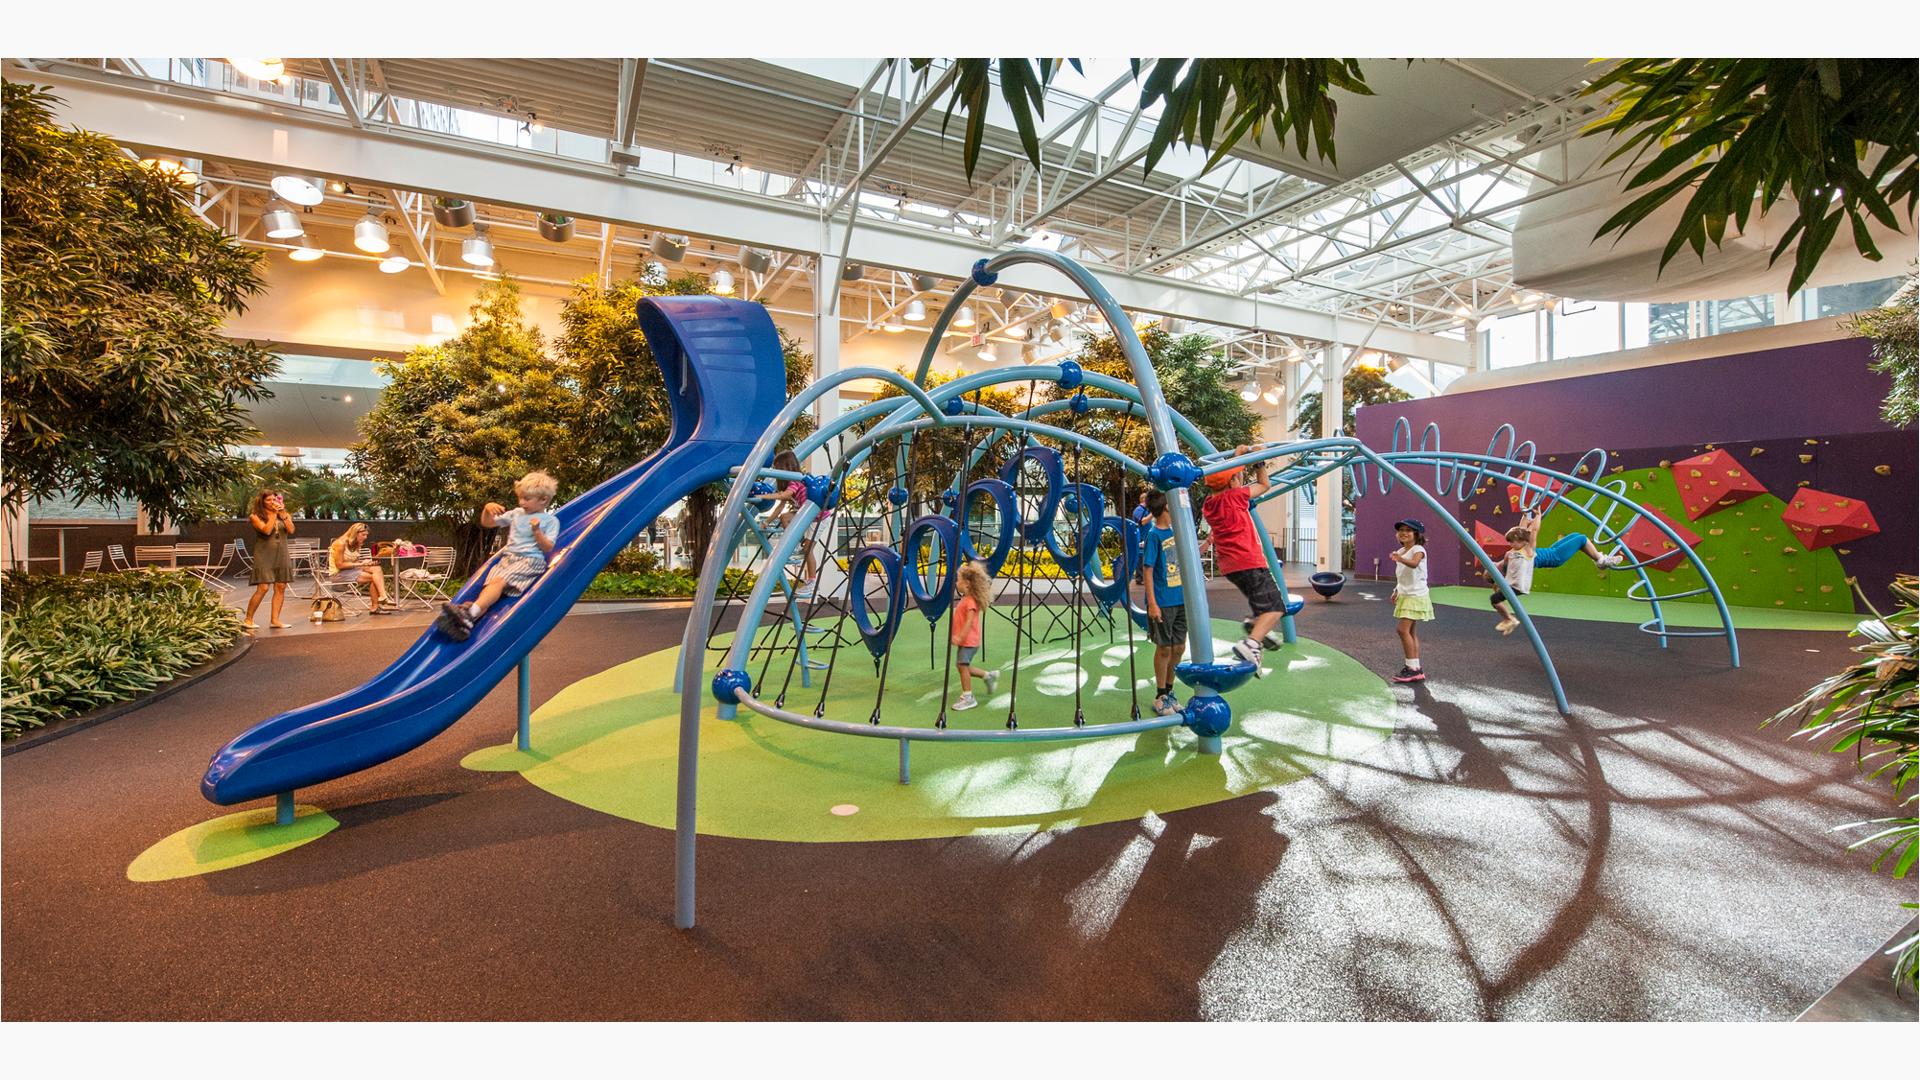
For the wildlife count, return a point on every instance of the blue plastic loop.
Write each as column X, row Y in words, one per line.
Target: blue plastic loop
column 1037, row 528
column 1086, row 536
column 1080, row 404
column 898, row 496
column 1111, row 588
column 1208, row 715
column 822, row 490
column 728, row 680
column 1071, row 375
column 1001, row 494
column 878, row 638
column 1174, row 470
column 1219, row 676
column 982, row 276
column 932, row 601
column 1127, row 564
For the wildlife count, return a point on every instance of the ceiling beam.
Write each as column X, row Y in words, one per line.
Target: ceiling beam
column 633, row 72
column 224, row 127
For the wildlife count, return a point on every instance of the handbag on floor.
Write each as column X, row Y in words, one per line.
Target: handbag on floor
column 327, row 609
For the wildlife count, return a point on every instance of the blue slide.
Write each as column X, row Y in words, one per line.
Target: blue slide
column 727, row 381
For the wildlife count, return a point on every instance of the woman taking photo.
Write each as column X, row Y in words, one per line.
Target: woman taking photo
column 347, row 563
column 272, row 564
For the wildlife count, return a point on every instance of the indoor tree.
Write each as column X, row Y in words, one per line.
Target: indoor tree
column 119, row 382
column 1893, row 331
column 461, row 421
column 1363, row 384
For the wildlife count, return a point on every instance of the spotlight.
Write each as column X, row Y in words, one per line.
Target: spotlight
column 1272, row 396
column 894, row 325
column 852, row 272
column 916, row 311
column 925, row 282
column 394, row 264
column 722, row 283
column 987, row 354
column 477, row 250
column 1060, row 309
column 305, row 250
column 453, row 213
column 370, row 234
column 556, row 227
column 964, row 317
column 300, row 190
column 1016, row 332
column 1250, row 391
column 670, row 248
column 280, row 222
column 758, row 262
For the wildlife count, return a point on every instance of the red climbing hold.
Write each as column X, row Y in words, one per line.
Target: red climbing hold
column 1819, row 519
column 1651, row 546
column 1516, row 493
column 1492, row 541
column 1713, row 481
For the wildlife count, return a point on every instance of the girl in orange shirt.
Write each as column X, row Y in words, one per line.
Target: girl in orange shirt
column 974, row 594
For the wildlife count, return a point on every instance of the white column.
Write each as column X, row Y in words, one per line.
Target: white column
column 13, row 537
column 1327, row 489
column 826, row 340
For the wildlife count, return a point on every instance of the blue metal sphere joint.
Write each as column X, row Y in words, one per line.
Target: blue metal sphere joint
column 954, row 406
column 982, row 276
column 761, row 487
column 1220, row 676
column 1208, row 715
column 949, row 497
column 821, row 489
column 1174, row 471
column 1079, row 404
column 1071, row 375
column 897, row 496
column 728, row 680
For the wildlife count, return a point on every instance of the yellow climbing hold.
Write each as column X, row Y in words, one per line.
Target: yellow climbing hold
column 1756, row 451
column 1883, row 470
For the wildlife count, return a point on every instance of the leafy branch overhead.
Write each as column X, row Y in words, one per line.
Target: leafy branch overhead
column 1209, row 104
column 1838, row 136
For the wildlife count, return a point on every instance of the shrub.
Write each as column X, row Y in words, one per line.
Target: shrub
column 77, row 643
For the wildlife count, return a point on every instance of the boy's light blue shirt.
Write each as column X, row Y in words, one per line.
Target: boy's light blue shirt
column 520, row 539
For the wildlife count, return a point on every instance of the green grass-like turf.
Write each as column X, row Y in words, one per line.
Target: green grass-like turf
column 609, row 742
column 1618, row 610
column 227, row 842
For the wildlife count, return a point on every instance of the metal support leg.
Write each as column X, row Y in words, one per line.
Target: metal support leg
column 525, row 741
column 283, row 808
column 1210, row 744
column 905, row 775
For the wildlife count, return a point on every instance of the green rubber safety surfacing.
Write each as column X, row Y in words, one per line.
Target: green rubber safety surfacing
column 227, row 842
column 610, row 743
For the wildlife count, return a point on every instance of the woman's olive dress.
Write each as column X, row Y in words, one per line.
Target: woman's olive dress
column 272, row 563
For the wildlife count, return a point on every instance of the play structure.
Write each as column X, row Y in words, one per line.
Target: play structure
column 898, row 493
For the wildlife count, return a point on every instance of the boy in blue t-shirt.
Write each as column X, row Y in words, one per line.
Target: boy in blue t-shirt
column 533, row 530
column 1166, row 602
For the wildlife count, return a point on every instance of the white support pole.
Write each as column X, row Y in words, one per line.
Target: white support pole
column 826, row 340
column 1327, row 489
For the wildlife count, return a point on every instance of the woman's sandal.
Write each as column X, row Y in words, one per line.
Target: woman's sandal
column 281, row 625
column 249, row 626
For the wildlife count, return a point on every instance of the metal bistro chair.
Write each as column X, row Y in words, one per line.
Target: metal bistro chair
column 244, row 553
column 428, row 583
column 353, row 595
column 92, row 565
column 203, row 553
column 214, row 573
column 304, row 557
column 159, row 556
column 118, row 555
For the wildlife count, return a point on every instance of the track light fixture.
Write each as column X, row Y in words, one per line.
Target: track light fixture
column 670, row 248
column 722, row 283
column 279, row 221
column 556, row 227
column 305, row 250
column 300, row 190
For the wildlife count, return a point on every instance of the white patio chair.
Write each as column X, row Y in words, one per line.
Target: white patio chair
column 92, row 565
column 118, row 555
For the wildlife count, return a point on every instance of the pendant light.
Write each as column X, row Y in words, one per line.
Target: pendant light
column 305, row 250
column 852, row 272
column 453, row 213
column 964, row 317
column 1017, row 332
column 987, row 355
column 280, row 222
column 670, row 248
column 722, row 283
column 916, row 311
column 477, row 250
column 394, row 264
column 925, row 282
column 1250, row 391
column 756, row 262
column 300, row 190
column 370, row 234
column 894, row 325
column 1272, row 396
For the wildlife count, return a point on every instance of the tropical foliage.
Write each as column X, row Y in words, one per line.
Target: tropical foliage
column 310, row 493
column 1362, row 385
column 75, row 643
column 1893, row 330
column 1211, row 104
column 119, row 383
column 1871, row 709
column 1838, row 136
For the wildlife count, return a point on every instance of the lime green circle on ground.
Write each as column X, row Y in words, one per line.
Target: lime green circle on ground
column 1618, row 609
column 610, row 742
column 227, row 842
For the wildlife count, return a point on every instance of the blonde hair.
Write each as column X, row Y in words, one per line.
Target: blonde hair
column 536, row 483
column 357, row 527
column 975, row 582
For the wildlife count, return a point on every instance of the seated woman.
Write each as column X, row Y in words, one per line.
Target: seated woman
column 347, row 563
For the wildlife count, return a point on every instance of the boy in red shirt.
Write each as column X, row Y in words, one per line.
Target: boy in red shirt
column 1229, row 512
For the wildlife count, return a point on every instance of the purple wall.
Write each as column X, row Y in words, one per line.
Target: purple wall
column 1822, row 390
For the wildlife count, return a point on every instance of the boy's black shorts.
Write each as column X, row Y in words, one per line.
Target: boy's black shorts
column 1170, row 628
column 1496, row 599
column 1258, row 587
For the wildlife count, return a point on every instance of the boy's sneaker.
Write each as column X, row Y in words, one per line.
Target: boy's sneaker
column 993, row 683
column 1166, row 705
column 964, row 702
column 1272, row 643
column 1608, row 562
column 455, row 621
column 1249, row 650
column 1407, row 675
